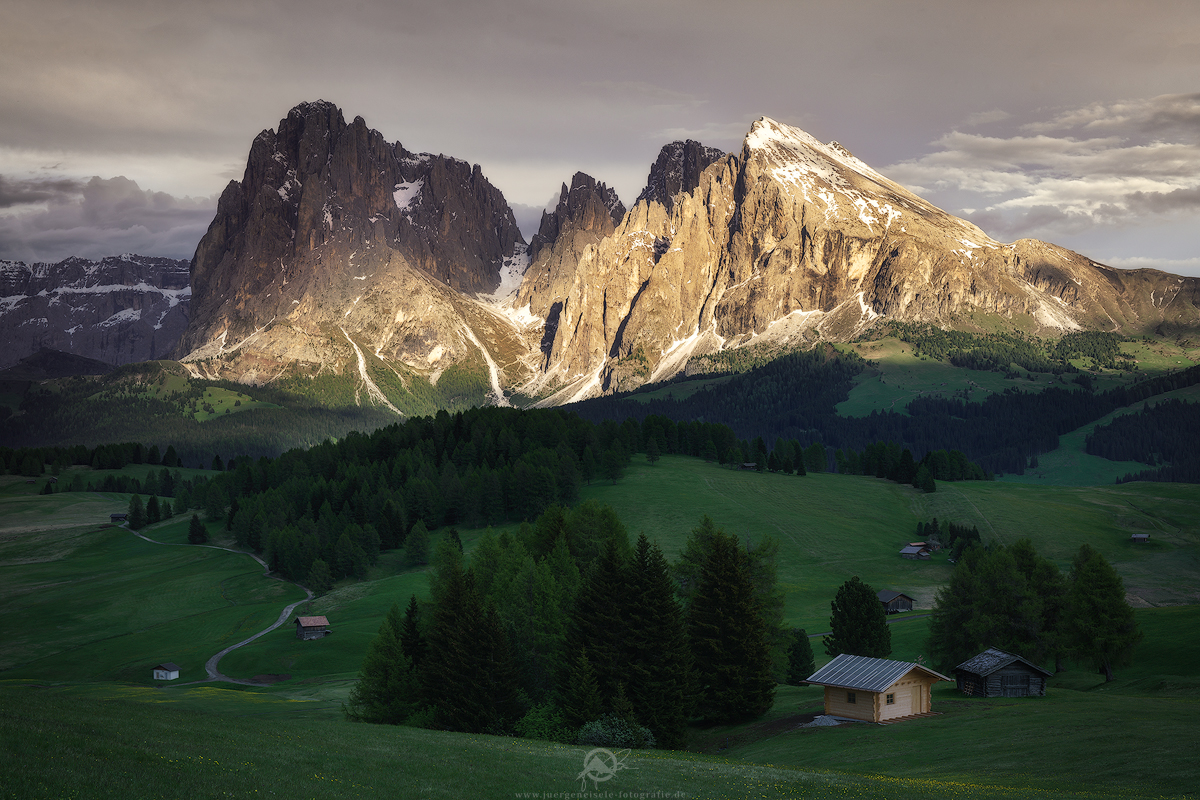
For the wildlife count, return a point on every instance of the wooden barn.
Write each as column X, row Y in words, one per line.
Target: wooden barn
column 1140, row 538
column 166, row 671
column 995, row 673
column 913, row 551
column 894, row 601
column 312, row 627
column 875, row 689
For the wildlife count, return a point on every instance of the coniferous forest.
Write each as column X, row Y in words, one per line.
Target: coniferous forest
column 794, row 397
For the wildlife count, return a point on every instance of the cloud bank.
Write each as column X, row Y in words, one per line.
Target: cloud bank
column 49, row 219
column 1103, row 165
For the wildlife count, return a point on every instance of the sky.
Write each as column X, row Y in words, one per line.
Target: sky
column 1073, row 122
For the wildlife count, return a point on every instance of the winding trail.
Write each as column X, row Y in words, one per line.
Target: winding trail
column 210, row 666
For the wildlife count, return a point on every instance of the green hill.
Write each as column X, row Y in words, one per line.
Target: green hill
column 87, row 609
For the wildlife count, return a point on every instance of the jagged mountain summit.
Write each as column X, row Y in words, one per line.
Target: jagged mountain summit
column 335, row 241
column 341, row 253
column 118, row 310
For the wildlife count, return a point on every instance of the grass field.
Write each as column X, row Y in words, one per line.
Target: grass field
column 85, row 601
column 88, row 608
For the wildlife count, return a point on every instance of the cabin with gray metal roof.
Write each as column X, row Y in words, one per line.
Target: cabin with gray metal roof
column 876, row 689
column 995, row 673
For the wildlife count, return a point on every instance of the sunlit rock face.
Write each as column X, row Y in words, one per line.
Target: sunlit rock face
column 795, row 240
column 335, row 234
column 118, row 310
column 337, row 246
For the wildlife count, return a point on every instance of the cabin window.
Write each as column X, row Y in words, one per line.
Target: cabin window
column 891, row 699
column 850, row 697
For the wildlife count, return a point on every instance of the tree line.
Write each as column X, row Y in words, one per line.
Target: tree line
column 1012, row 598
column 565, row 631
column 1164, row 435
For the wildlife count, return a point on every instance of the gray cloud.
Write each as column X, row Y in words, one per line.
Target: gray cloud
column 36, row 190
column 101, row 217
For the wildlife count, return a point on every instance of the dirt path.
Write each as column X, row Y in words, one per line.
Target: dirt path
column 211, row 666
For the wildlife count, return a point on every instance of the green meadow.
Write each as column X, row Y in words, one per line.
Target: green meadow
column 88, row 608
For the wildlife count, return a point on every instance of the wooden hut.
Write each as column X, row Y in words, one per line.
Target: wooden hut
column 312, row 627
column 995, row 673
column 875, row 689
column 1140, row 538
column 166, row 671
column 118, row 517
column 894, row 602
column 913, row 551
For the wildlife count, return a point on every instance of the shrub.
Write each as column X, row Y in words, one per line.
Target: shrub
column 545, row 722
column 613, row 731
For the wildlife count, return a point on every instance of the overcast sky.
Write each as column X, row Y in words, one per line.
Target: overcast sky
column 1075, row 122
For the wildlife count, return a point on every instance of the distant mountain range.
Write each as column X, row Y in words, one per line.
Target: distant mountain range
column 118, row 310
column 339, row 253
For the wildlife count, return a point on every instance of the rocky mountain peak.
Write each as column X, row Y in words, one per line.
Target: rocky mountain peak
column 677, row 170
column 585, row 205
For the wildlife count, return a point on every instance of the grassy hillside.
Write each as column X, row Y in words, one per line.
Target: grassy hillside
column 86, row 609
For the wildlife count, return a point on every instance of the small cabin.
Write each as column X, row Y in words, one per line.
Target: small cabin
column 913, row 551
column 312, row 627
column 167, row 671
column 118, row 517
column 875, row 689
column 995, row 673
column 894, row 602
column 1140, row 538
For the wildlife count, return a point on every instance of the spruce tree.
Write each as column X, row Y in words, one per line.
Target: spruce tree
column 320, row 578
column 598, row 619
column 416, row 545
column 1099, row 625
column 728, row 638
column 660, row 681
column 578, row 692
column 801, row 662
column 467, row 673
column 137, row 513
column 858, row 624
column 197, row 533
column 411, row 639
column 387, row 688
column 153, row 512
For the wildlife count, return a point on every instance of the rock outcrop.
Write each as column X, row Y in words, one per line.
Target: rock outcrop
column 336, row 239
column 677, row 171
column 795, row 240
column 337, row 249
column 117, row 310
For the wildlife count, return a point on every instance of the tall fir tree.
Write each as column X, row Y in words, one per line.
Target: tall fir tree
column 728, row 637
column 416, row 544
column 1099, row 625
column 197, row 533
column 801, row 662
column 467, row 673
column 387, row 687
column 412, row 640
column 137, row 513
column 660, row 680
column 598, row 620
column 857, row 622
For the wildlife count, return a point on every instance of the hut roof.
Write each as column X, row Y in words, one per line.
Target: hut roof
column 866, row 674
column 311, row 622
column 169, row 666
column 993, row 659
column 888, row 595
column 911, row 549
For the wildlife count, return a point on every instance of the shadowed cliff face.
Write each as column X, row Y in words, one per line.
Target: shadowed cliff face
column 333, row 227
